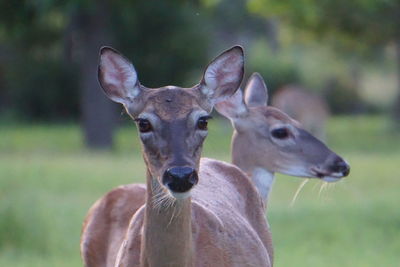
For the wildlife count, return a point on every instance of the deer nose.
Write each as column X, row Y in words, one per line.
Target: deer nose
column 341, row 166
column 180, row 179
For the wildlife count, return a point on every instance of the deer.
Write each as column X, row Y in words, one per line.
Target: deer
column 266, row 140
column 309, row 109
column 195, row 209
column 109, row 217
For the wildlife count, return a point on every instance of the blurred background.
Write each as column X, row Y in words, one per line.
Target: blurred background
column 63, row 144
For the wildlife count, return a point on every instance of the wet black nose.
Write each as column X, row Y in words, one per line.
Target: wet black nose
column 341, row 166
column 180, row 179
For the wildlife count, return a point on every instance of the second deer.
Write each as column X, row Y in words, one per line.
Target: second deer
column 266, row 140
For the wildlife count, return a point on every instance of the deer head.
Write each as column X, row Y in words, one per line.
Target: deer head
column 265, row 137
column 172, row 121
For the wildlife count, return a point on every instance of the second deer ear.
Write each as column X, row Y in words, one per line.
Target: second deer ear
column 223, row 75
column 118, row 77
column 256, row 92
column 233, row 107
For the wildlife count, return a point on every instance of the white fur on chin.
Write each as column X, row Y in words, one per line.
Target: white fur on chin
column 180, row 195
column 330, row 179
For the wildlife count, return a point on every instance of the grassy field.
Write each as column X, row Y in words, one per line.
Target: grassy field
column 48, row 181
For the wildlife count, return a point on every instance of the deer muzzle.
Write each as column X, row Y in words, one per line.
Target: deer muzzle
column 180, row 179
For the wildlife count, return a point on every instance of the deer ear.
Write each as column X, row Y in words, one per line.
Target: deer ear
column 223, row 75
column 233, row 107
column 117, row 77
column 256, row 92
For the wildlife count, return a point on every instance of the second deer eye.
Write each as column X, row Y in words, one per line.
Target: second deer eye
column 203, row 122
column 144, row 125
column 281, row 133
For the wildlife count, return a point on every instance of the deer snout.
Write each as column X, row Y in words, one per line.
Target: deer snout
column 180, row 179
column 333, row 170
column 340, row 166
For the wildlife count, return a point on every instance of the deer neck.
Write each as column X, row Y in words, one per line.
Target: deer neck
column 262, row 178
column 167, row 230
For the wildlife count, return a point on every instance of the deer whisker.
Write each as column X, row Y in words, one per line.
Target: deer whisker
column 298, row 191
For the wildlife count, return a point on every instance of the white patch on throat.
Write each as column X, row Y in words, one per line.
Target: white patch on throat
column 263, row 180
column 180, row 196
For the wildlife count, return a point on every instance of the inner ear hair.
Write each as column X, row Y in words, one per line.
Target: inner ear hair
column 233, row 106
column 117, row 76
column 256, row 92
column 223, row 75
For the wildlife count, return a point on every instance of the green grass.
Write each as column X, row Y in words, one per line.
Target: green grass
column 48, row 182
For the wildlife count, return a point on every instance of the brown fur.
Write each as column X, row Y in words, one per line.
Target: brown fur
column 104, row 226
column 169, row 103
column 227, row 222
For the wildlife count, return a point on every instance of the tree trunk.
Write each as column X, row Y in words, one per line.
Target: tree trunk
column 396, row 108
column 6, row 55
column 98, row 114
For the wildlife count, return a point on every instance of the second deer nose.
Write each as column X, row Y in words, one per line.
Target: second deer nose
column 180, row 179
column 341, row 166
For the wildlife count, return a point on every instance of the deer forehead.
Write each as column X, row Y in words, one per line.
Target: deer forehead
column 274, row 116
column 170, row 103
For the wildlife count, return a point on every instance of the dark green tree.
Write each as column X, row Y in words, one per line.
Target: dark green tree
column 51, row 52
column 360, row 23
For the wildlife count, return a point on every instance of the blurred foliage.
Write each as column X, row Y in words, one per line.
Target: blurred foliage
column 165, row 40
column 306, row 66
column 359, row 21
column 170, row 42
column 278, row 69
column 43, row 89
column 39, row 74
column 341, row 98
column 358, row 30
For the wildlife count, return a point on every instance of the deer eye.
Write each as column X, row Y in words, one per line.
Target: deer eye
column 203, row 122
column 280, row 133
column 144, row 125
